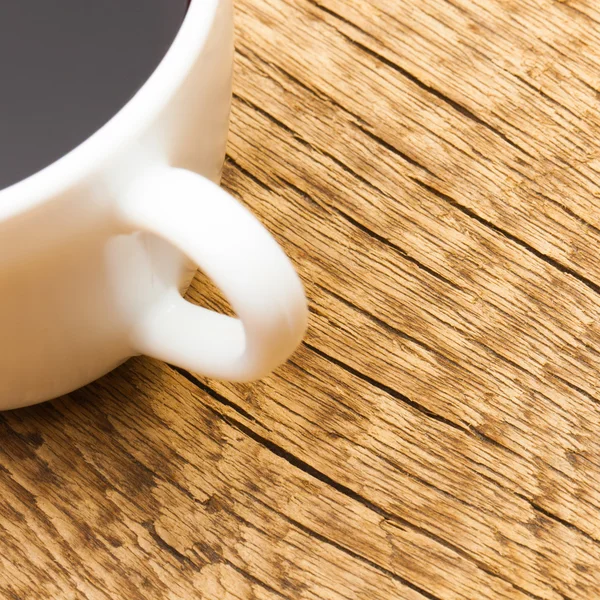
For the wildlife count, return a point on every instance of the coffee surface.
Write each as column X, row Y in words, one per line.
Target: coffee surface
column 68, row 66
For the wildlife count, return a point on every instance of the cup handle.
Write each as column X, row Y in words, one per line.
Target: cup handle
column 229, row 244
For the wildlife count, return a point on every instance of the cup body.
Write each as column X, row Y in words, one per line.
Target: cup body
column 73, row 279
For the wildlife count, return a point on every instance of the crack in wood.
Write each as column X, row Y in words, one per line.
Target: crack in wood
column 457, row 106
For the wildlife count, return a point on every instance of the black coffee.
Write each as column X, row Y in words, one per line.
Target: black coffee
column 67, row 66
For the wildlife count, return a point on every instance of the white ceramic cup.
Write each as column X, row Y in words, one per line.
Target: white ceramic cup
column 97, row 248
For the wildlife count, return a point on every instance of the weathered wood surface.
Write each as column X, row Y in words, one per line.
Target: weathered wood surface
column 432, row 168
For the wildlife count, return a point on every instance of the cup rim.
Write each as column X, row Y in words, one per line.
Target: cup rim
column 126, row 124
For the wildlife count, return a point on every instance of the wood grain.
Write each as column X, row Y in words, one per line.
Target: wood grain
column 431, row 168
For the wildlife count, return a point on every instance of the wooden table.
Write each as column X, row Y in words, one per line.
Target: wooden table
column 432, row 169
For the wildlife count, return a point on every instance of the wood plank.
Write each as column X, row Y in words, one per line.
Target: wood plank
column 452, row 401
column 129, row 510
